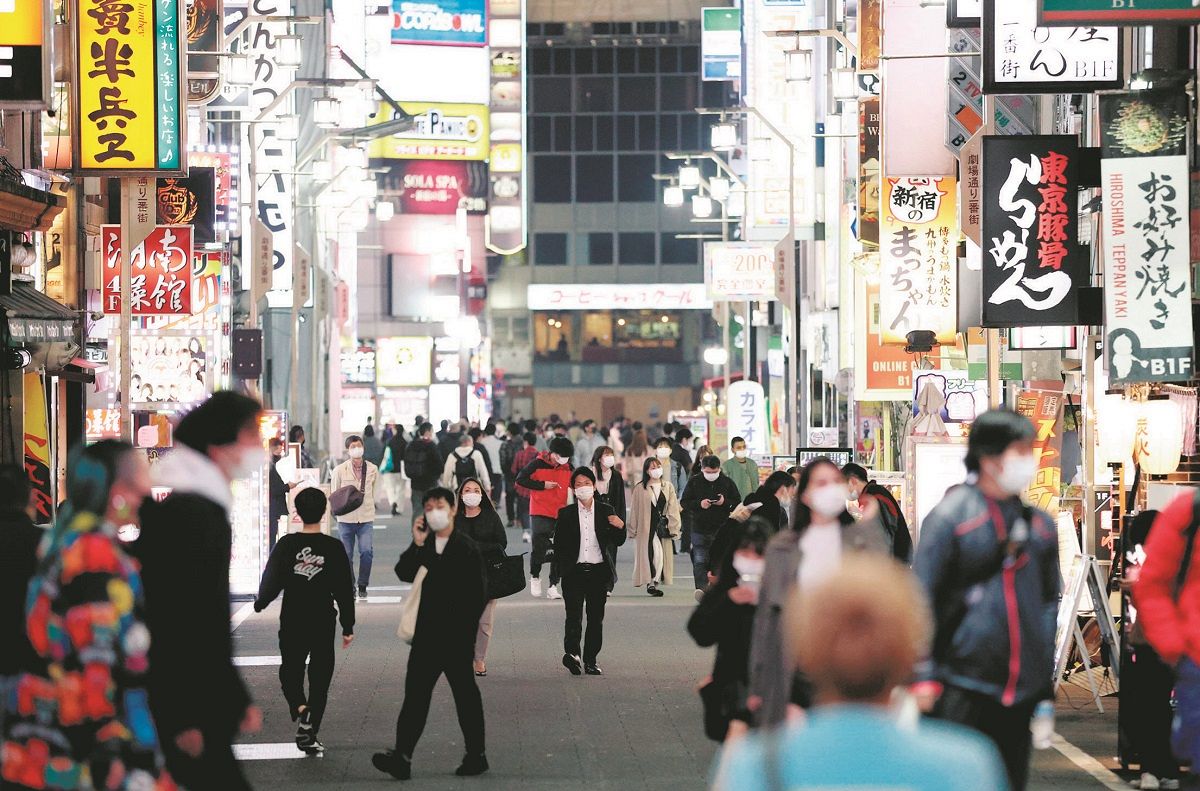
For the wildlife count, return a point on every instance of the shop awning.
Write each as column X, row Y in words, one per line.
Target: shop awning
column 34, row 317
column 25, row 208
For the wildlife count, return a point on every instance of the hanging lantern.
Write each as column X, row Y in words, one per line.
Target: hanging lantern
column 1158, row 441
column 1116, row 425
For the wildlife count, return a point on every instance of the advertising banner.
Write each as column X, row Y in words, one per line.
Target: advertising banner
column 881, row 372
column 161, row 268
column 1144, row 123
column 454, row 22
column 1044, row 409
column 868, row 170
column 918, row 253
column 1147, row 293
column 403, row 361
column 128, row 113
column 1021, row 57
column 24, row 55
column 36, row 447
column 1032, row 265
column 1117, row 12
column 747, row 411
column 870, row 14
column 720, row 43
column 742, row 271
column 440, row 131
column 169, row 370
column 223, row 164
column 190, row 200
column 437, row 186
column 506, row 230
column 618, row 296
column 358, row 366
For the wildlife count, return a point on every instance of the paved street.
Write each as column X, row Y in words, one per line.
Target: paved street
column 637, row 727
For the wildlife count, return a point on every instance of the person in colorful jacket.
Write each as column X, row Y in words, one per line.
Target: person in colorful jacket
column 548, row 478
column 82, row 717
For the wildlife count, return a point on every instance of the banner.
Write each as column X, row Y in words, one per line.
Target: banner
column 403, row 361
column 868, row 170
column 161, row 268
column 918, row 252
column 440, row 131
column 204, row 39
column 881, row 372
column 869, row 19
column 1021, row 57
column 128, row 113
column 456, row 22
column 1147, row 288
column 747, row 412
column 36, row 448
column 506, row 231
column 224, row 198
column 1044, row 408
column 430, row 186
column 720, row 44
column 742, row 271
column 190, row 201
column 1117, row 12
column 1032, row 264
column 24, row 55
column 1144, row 123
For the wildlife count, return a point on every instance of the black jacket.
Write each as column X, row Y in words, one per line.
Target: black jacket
column 709, row 520
column 184, row 549
column 486, row 530
column 19, row 539
column 447, row 441
column 453, row 594
column 423, row 457
column 730, row 627
column 567, row 538
column 312, row 571
column 730, row 533
column 277, row 490
column 892, row 517
column 615, row 498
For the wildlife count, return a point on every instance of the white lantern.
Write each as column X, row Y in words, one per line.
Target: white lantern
column 1116, row 424
column 718, row 188
column 689, row 176
column 673, row 197
column 1158, row 442
column 724, row 136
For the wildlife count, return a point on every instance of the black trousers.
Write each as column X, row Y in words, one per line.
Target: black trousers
column 510, row 498
column 425, row 665
column 585, row 586
column 543, row 538
column 312, row 643
column 1006, row 726
column 215, row 770
column 1146, row 684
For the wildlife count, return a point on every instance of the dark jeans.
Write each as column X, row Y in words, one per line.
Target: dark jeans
column 418, row 494
column 685, row 533
column 1006, row 726
column 311, row 642
column 1185, row 733
column 700, row 547
column 424, row 668
column 523, row 513
column 585, row 585
column 510, row 498
column 1148, row 712
column 543, row 533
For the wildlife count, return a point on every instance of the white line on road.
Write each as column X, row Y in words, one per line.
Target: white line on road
column 278, row 751
column 1099, row 772
column 381, row 588
column 257, row 661
column 243, row 612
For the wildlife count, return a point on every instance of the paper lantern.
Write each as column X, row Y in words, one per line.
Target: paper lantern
column 1116, row 425
column 1158, row 440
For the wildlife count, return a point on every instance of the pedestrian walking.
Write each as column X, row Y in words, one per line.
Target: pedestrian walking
column 392, row 468
column 708, row 500
column 277, row 490
column 589, row 442
column 453, row 596
column 610, row 490
column 891, row 515
column 423, row 465
column 548, row 478
column 653, row 524
column 19, row 539
column 357, row 526
column 725, row 618
column 197, row 695
column 296, row 436
column 490, row 444
column 586, row 536
column 681, row 466
column 447, row 438
column 824, row 534
column 79, row 716
column 372, row 446
column 741, row 468
column 524, row 457
column 312, row 572
column 513, row 444
column 477, row 519
column 856, row 636
column 673, row 470
column 466, row 462
column 637, row 450
column 989, row 564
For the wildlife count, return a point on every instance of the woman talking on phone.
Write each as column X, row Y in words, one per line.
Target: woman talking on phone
column 653, row 524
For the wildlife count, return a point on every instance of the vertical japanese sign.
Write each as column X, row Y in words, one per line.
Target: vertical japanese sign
column 1044, row 409
column 1147, row 294
column 868, row 170
column 225, row 196
column 870, row 13
column 747, row 413
column 1144, row 123
column 36, row 447
column 1032, row 266
column 918, row 258
column 1021, row 57
column 161, row 267
column 128, row 113
column 24, row 55
column 507, row 220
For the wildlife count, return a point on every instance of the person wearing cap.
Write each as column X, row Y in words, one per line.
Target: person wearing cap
column 989, row 564
column 548, row 478
column 709, row 498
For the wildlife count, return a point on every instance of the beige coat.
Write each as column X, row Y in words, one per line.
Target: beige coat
column 345, row 475
column 642, row 532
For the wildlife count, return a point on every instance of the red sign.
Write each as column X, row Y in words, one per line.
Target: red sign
column 161, row 268
column 440, row 187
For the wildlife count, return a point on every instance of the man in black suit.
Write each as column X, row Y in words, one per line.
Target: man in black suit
column 586, row 536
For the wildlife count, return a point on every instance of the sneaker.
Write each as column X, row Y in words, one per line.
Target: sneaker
column 472, row 765
column 1149, row 781
column 572, row 663
column 699, row 595
column 592, row 669
column 535, row 587
column 552, row 592
column 306, row 737
column 526, row 537
column 392, row 764
column 313, row 748
column 362, row 594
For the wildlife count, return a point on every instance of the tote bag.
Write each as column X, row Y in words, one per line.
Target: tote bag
column 409, row 609
column 505, row 576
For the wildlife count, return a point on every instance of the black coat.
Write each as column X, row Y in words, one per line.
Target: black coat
column 567, row 538
column 486, row 530
column 453, row 594
column 718, row 621
column 709, row 520
column 615, row 499
column 19, row 539
column 184, row 549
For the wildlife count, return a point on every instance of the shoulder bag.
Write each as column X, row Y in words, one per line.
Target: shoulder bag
column 505, row 576
column 407, row 629
column 348, row 499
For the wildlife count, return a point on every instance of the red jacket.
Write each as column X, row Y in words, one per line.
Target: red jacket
column 535, row 476
column 1170, row 620
column 524, row 456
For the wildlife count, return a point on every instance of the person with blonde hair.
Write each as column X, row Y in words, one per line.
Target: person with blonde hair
column 857, row 636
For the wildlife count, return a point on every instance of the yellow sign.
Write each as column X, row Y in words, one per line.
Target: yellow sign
column 21, row 24
column 403, row 361
column 441, row 131
column 128, row 113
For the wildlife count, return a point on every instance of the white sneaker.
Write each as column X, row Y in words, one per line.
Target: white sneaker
column 535, row 587
column 526, row 537
column 552, row 592
column 699, row 595
column 1149, row 781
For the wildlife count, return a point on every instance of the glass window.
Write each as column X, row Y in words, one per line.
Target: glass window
column 604, row 61
column 646, row 329
column 551, row 95
column 634, row 181
column 562, row 60
column 626, row 133
column 668, row 60
column 604, row 133
column 520, row 329
column 539, row 61
column 715, row 94
column 689, row 133
column 678, row 93
column 584, row 60
column 647, row 133
column 593, row 94
column 562, row 133
column 679, row 251
column 551, row 179
column 584, row 138
column 689, row 60
column 636, row 247
column 637, row 93
column 551, row 335
column 626, row 60
column 553, row 29
column 668, row 132
column 648, row 60
column 600, row 248
column 541, row 129
column 594, row 178
column 597, row 331
column 550, row 249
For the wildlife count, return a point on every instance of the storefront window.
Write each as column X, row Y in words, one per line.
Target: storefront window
column 608, row 336
column 552, row 336
column 647, row 329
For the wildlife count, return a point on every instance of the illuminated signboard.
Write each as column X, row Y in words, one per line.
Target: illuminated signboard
column 161, row 268
column 456, row 22
column 440, row 131
column 24, row 55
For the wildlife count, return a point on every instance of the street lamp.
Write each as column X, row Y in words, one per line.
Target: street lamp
column 385, row 210
column 239, row 71
column 689, row 176
column 798, row 65
column 724, row 135
column 702, row 206
column 287, row 127
column 326, row 112
column 673, row 196
column 287, row 52
column 719, row 187
column 845, row 85
column 716, row 356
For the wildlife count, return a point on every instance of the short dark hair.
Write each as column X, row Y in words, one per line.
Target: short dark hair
column 424, row 427
column 529, row 437
column 445, row 424
column 562, row 446
column 14, row 487
column 856, row 471
column 586, row 472
column 438, row 493
column 662, row 442
column 295, row 433
column 710, row 463
column 476, row 433
column 350, row 440
column 736, row 440
column 560, row 426
column 490, row 429
column 993, row 432
column 274, row 442
column 310, row 505
column 683, row 433
column 217, row 421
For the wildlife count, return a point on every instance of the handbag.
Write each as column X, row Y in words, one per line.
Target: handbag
column 662, row 528
column 407, row 629
column 505, row 576
column 348, row 499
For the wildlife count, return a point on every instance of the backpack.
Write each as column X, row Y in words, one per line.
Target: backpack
column 416, row 461
column 464, row 468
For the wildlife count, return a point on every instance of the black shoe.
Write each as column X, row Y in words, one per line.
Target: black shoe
column 306, row 738
column 392, row 764
column 572, row 663
column 395, row 510
column 472, row 765
column 362, row 594
column 313, row 748
column 592, row 669
column 653, row 591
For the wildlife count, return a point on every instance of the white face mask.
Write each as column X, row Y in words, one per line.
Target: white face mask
column 749, row 567
column 712, row 476
column 472, row 499
column 250, row 460
column 1016, row 473
column 656, row 473
column 739, row 454
column 662, row 453
column 609, row 461
column 561, row 459
column 355, row 453
column 829, row 501
column 585, row 493
column 438, row 519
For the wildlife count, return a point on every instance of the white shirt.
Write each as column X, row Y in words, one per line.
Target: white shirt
column 589, row 544
column 602, row 482
column 820, row 554
column 439, row 544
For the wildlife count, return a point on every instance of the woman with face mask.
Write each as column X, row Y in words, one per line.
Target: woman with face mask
column 654, row 523
column 358, row 526
column 822, row 534
column 478, row 520
column 610, row 489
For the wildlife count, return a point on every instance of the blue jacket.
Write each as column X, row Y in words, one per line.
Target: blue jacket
column 994, row 614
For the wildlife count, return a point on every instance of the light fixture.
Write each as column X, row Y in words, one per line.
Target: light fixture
column 1158, row 441
column 620, row 322
column 239, row 70
column 385, row 210
column 287, row 52
column 673, row 196
column 689, row 176
column 326, row 112
column 665, row 319
column 353, row 156
column 287, row 127
column 724, row 135
column 702, row 206
column 718, row 188
column 716, row 356
column 798, row 65
column 845, row 85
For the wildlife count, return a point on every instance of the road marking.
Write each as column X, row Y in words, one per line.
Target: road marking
column 243, row 612
column 382, row 588
column 257, row 661
column 278, row 751
column 371, row 599
column 1099, row 772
